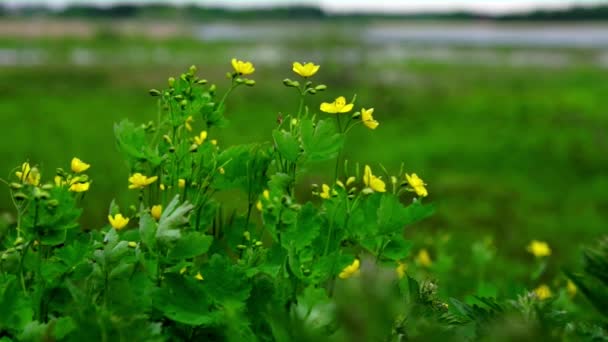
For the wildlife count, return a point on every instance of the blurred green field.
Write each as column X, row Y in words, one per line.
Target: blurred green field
column 512, row 153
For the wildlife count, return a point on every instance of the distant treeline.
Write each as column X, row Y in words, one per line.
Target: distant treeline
column 198, row 13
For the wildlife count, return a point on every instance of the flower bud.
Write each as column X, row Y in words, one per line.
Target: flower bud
column 311, row 91
column 239, row 80
column 229, row 75
column 171, row 81
column 320, row 87
column 201, row 81
column 154, row 92
column 52, row 203
column 47, row 186
column 192, row 70
column 18, row 241
column 212, row 88
column 20, row 196
column 356, row 115
column 193, row 148
column 184, row 77
column 258, row 243
column 241, row 247
column 16, row 186
column 250, row 83
column 289, row 83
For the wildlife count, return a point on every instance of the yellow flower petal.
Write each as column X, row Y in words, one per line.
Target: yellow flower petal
column 539, row 248
column 156, row 211
column 543, row 292
column 241, row 67
column 368, row 119
column 350, row 270
column 306, row 70
column 423, row 258
column 80, row 187
column 117, row 221
column 338, row 106
column 417, row 185
column 79, row 166
column 139, row 181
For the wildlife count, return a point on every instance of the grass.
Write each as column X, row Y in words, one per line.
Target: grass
column 510, row 153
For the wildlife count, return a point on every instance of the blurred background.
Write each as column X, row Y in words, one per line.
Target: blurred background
column 500, row 106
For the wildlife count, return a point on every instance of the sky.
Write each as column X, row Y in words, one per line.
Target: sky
column 381, row 6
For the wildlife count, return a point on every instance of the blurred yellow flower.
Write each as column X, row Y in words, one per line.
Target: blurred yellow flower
column 162, row 187
column 368, row 118
column 372, row 181
column 423, row 258
column 266, row 194
column 118, row 221
column 80, row 187
column 132, row 244
column 59, row 181
column 156, row 211
column 338, row 106
column 79, row 166
column 350, row 270
column 325, row 193
column 306, row 70
column 417, row 185
column 543, row 292
column 259, row 206
column 28, row 174
column 221, row 170
column 199, row 276
column 539, row 248
column 188, row 123
column 200, row 139
column 340, row 184
column 243, row 68
column 139, row 181
column 214, row 142
column 350, row 180
column 401, row 269
column 571, row 288
column 181, row 183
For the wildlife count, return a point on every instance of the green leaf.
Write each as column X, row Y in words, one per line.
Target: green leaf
column 301, row 234
column 190, row 245
column 397, row 248
column 245, row 168
column 15, row 308
column 224, row 282
column 287, row 144
column 172, row 218
column 184, row 300
column 320, row 141
column 131, row 141
column 147, row 231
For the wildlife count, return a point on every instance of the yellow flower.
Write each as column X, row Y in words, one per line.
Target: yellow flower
column 259, row 206
column 326, row 191
column 132, row 244
column 368, row 118
column 400, row 270
column 539, row 248
column 243, row 68
column 543, row 292
column 80, row 187
column 79, row 166
column 139, row 181
column 199, row 276
column 372, row 181
column 183, row 270
column 423, row 258
column 181, row 183
column 200, row 139
column 214, row 142
column 417, row 184
column 221, row 170
column 306, row 70
column 156, row 211
column 571, row 288
column 29, row 174
column 350, row 270
column 59, row 181
column 162, row 187
column 266, row 194
column 338, row 106
column 188, row 123
column 350, row 180
column 118, row 221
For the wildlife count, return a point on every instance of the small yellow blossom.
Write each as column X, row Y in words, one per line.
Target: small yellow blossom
column 132, row 244
column 79, row 166
column 350, row 270
column 340, row 184
column 80, row 187
column 326, row 191
column 139, row 181
column 423, row 258
column 338, row 106
column 28, row 174
column 266, row 194
column 199, row 276
column 368, row 118
column 188, row 123
column 539, row 248
column 200, row 139
column 571, row 288
column 59, row 181
column 221, row 170
column 350, row 180
column 183, row 270
column 243, row 68
column 156, row 211
column 417, row 184
column 118, row 221
column 214, row 142
column 306, row 70
column 181, row 183
column 162, row 187
column 372, row 181
column 543, row 292
column 401, row 269
column 259, row 206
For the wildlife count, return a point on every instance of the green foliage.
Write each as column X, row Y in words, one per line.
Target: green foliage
column 186, row 262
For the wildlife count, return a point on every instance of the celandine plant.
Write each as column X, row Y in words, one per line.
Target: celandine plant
column 180, row 265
